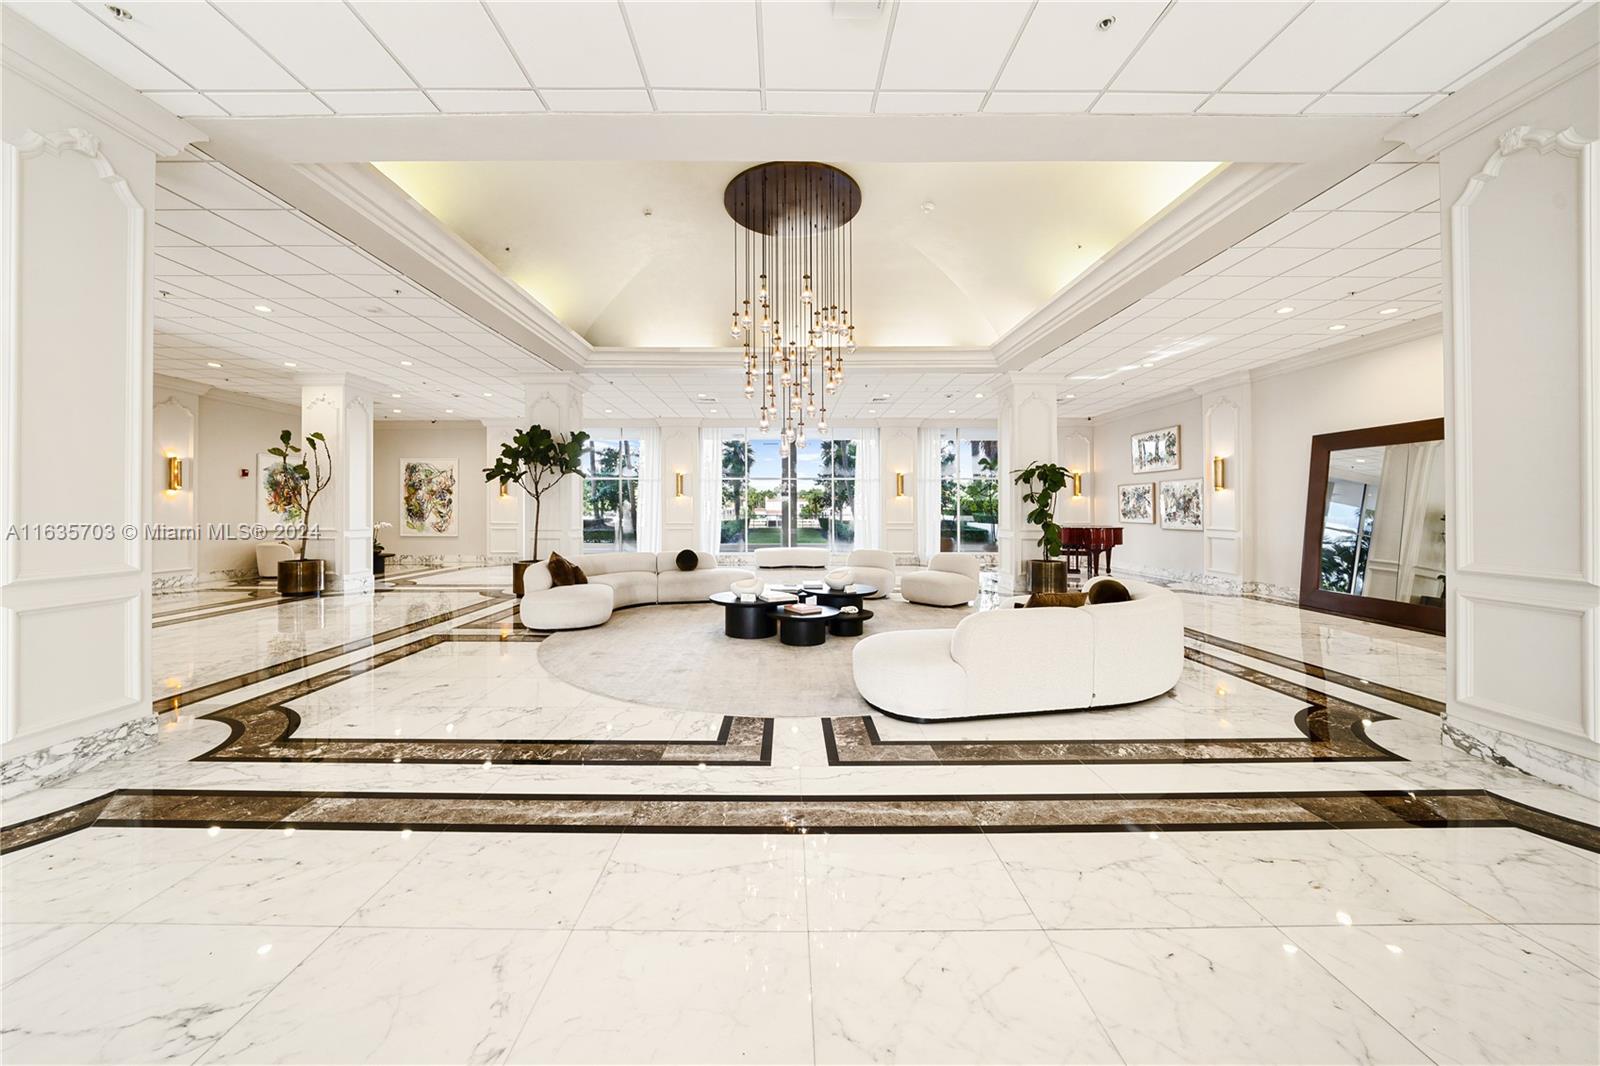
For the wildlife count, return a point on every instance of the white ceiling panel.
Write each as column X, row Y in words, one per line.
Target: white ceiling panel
column 696, row 45
column 274, row 261
column 1335, row 229
column 1282, row 227
column 340, row 260
column 203, row 227
column 195, row 42
column 205, row 185
column 1364, row 180
column 280, row 227
column 323, row 45
column 97, row 41
column 1148, row 103
column 445, row 45
column 1415, row 189
column 1403, row 232
column 802, row 101
column 1334, row 263
column 597, row 99
column 1325, row 44
column 1197, row 46
column 806, row 47
column 258, row 104
column 1449, row 43
column 187, row 104
column 1257, row 103
column 950, row 45
column 486, row 101
column 1063, row 47
column 571, row 45
column 1365, row 104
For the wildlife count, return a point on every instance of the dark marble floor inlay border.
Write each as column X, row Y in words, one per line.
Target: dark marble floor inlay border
column 557, row 812
column 1331, row 730
column 1361, row 684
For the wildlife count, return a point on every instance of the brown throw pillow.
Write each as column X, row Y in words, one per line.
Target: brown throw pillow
column 687, row 559
column 1056, row 599
column 1109, row 591
column 563, row 572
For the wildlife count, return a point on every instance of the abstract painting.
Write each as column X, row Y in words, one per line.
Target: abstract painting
column 428, row 497
column 1180, row 504
column 1136, row 503
column 276, row 504
column 1156, row 450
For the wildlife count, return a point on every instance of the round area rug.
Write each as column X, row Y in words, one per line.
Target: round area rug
column 676, row 655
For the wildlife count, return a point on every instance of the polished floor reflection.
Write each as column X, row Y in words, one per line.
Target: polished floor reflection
column 375, row 830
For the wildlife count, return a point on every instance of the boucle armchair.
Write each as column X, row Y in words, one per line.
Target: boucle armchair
column 868, row 566
column 951, row 579
column 1009, row 661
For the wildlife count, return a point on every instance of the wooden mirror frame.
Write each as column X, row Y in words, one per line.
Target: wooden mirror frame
column 1312, row 595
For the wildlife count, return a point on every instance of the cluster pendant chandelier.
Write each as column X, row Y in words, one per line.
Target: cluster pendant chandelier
column 792, row 275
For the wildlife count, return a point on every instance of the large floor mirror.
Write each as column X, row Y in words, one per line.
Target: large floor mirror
column 1375, row 543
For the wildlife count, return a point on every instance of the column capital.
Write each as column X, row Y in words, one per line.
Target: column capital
column 552, row 379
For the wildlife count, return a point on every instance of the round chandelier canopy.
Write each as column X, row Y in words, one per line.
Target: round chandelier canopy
column 792, row 275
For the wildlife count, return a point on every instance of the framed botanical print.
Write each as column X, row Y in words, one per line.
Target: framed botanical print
column 1180, row 504
column 427, row 497
column 1156, row 450
column 1136, row 503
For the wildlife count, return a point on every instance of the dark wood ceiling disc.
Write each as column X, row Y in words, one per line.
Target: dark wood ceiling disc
column 774, row 198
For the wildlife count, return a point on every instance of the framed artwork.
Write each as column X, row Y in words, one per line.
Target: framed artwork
column 427, row 497
column 1180, row 504
column 1156, row 450
column 1137, row 503
column 275, row 497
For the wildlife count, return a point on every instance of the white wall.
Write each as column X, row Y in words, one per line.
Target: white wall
column 233, row 431
column 1148, row 549
column 1403, row 383
column 465, row 442
column 175, row 424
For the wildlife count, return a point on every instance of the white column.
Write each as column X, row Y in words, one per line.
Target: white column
column 342, row 412
column 505, row 522
column 1027, row 435
column 1522, row 392
column 555, row 401
column 1225, row 432
column 680, row 454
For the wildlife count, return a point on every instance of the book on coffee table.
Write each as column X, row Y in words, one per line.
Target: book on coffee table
column 803, row 608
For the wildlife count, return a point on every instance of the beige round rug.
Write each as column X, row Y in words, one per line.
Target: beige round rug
column 676, row 655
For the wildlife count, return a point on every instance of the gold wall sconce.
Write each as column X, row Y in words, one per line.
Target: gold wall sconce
column 505, row 490
column 899, row 484
column 1077, row 484
column 679, row 477
column 174, row 473
column 1219, row 474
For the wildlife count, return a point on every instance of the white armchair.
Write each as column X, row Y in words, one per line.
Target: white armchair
column 869, row 566
column 950, row 580
column 268, row 555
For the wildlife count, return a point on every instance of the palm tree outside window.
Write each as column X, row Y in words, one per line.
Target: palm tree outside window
column 611, row 491
column 969, row 490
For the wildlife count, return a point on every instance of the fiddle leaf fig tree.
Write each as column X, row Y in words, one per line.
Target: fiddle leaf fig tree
column 1044, row 481
column 537, row 460
column 304, row 476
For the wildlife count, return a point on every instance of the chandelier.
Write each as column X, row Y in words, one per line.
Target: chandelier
column 792, row 274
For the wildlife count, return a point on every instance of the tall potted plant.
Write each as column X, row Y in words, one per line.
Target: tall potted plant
column 537, row 460
column 1044, row 482
column 305, row 477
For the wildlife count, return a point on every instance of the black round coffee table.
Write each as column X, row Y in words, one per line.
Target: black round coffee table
column 746, row 619
column 849, row 596
column 849, row 625
column 804, row 630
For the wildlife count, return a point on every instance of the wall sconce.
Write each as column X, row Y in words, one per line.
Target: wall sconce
column 899, row 484
column 174, row 473
column 505, row 490
column 1219, row 480
column 679, row 477
column 1077, row 484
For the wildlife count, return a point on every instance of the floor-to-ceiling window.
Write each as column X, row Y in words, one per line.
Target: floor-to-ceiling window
column 969, row 490
column 611, row 490
column 787, row 495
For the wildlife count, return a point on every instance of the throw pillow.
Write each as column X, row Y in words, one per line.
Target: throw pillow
column 688, row 559
column 1056, row 599
column 560, row 571
column 1109, row 591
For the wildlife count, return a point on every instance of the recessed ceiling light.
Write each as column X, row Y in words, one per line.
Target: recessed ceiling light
column 979, row 395
column 396, row 410
column 1149, row 364
column 952, row 410
column 1337, row 326
column 608, row 410
column 487, row 395
column 1130, row 366
column 449, row 410
column 405, row 362
column 286, row 363
column 215, row 366
column 1285, row 310
column 264, row 309
column 1389, row 311
column 928, row 207
column 394, row 396
column 1106, row 23
column 1070, row 396
column 713, row 410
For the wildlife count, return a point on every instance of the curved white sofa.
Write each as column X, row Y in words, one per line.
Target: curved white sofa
column 791, row 558
column 869, row 566
column 619, row 579
column 1031, row 661
column 950, row 580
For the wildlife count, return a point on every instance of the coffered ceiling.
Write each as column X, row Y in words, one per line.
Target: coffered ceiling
column 808, row 56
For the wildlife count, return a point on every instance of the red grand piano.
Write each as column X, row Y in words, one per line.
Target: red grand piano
column 1089, row 542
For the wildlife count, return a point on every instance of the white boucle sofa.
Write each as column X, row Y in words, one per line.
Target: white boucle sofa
column 619, row 579
column 950, row 580
column 1027, row 661
column 791, row 558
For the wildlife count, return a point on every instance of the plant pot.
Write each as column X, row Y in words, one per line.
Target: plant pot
column 518, row 568
column 377, row 562
column 300, row 577
column 1047, row 575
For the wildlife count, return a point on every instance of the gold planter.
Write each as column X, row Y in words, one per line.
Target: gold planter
column 518, row 568
column 300, row 577
column 1047, row 575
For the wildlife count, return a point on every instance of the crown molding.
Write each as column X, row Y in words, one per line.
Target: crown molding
column 30, row 53
column 1560, row 55
column 183, row 385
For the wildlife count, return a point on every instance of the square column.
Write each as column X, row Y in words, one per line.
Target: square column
column 1027, row 435
column 342, row 413
column 555, row 401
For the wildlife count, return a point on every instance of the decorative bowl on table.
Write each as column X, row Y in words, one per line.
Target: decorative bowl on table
column 838, row 580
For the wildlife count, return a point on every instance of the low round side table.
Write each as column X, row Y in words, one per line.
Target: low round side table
column 849, row 596
column 804, row 630
column 848, row 625
column 746, row 619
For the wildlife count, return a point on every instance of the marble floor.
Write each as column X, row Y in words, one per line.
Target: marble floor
column 374, row 829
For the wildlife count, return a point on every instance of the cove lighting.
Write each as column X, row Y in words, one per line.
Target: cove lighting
column 215, row 366
column 1389, row 311
column 1285, row 310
